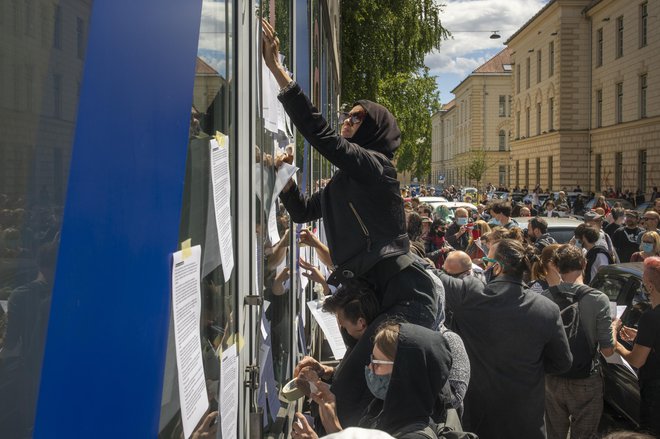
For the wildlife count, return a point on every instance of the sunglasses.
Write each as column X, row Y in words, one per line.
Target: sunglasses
column 352, row 118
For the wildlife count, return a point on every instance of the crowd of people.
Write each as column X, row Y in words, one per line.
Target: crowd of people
column 442, row 329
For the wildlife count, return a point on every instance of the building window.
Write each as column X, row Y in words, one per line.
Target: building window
column 502, row 175
column 619, row 37
column 642, row 96
column 508, row 112
column 643, row 23
column 619, row 102
column 502, row 106
column 599, row 47
column 551, row 114
column 517, row 124
column 538, row 119
column 550, row 172
column 538, row 66
column 502, row 137
column 641, row 167
column 57, row 27
column 599, row 108
column 618, row 170
column 57, row 96
column 538, row 171
column 517, row 78
column 80, row 37
column 527, row 75
column 527, row 173
column 551, row 58
column 527, row 122
column 597, row 172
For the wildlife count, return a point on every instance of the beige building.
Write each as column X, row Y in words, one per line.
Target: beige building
column 585, row 110
column 475, row 126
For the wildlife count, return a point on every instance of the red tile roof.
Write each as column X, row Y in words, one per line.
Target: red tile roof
column 496, row 63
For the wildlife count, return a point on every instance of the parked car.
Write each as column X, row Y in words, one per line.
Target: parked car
column 453, row 205
column 561, row 229
column 610, row 202
column 622, row 283
column 432, row 201
column 641, row 208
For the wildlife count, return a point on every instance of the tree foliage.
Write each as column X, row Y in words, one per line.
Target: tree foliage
column 412, row 98
column 477, row 166
column 385, row 37
column 384, row 43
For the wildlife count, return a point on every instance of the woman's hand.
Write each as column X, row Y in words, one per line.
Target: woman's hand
column 301, row 428
column 321, row 370
column 308, row 238
column 327, row 407
column 270, row 46
column 315, row 275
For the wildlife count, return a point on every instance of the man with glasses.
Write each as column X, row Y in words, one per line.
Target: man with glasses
column 457, row 232
column 650, row 221
column 626, row 239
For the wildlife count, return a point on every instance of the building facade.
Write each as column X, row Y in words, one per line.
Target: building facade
column 475, row 127
column 585, row 111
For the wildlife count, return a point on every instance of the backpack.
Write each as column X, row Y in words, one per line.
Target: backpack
column 582, row 350
column 450, row 429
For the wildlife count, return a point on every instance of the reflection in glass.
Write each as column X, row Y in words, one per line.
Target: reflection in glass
column 40, row 69
column 213, row 98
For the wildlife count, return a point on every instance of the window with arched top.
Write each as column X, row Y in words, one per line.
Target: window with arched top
column 502, row 140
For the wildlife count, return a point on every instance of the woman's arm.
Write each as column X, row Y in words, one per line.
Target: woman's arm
column 301, row 208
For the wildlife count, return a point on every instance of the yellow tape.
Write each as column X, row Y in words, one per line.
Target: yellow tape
column 186, row 252
column 221, row 139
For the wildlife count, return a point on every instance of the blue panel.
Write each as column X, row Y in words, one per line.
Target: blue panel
column 104, row 360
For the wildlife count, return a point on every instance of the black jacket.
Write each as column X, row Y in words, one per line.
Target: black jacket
column 421, row 369
column 361, row 205
column 512, row 336
column 591, row 256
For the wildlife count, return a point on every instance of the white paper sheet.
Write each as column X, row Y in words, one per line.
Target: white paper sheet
column 328, row 324
column 3, row 304
column 221, row 199
column 228, row 398
column 186, row 311
column 616, row 311
column 273, row 233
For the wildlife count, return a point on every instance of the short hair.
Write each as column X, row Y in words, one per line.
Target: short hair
column 587, row 232
column 539, row 223
column 512, row 256
column 654, row 214
column 501, row 207
column 355, row 299
column 414, row 225
column 569, row 258
column 387, row 339
column 617, row 212
column 549, row 203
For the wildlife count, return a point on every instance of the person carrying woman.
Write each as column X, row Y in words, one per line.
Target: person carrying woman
column 363, row 216
column 404, row 401
column 645, row 353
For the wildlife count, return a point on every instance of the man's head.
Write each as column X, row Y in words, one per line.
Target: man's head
column 586, row 236
column 457, row 263
column 536, row 227
column 656, row 205
column 355, row 305
column 524, row 212
column 650, row 220
column 593, row 219
column 618, row 215
column 568, row 259
column 510, row 258
column 632, row 219
column 550, row 206
column 501, row 211
column 351, row 121
column 461, row 216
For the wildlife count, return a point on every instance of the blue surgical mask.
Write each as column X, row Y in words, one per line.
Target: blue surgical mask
column 647, row 247
column 578, row 243
column 377, row 384
column 494, row 222
column 461, row 221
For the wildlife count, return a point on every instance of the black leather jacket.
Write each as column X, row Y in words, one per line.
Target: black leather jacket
column 361, row 205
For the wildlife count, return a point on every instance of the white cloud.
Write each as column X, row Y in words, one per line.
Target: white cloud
column 466, row 51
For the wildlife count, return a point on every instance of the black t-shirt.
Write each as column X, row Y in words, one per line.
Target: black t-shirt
column 625, row 242
column 611, row 228
column 648, row 334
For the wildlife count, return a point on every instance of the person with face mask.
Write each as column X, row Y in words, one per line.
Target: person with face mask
column 626, row 239
column 501, row 212
column 404, row 402
column 458, row 234
column 513, row 337
column 645, row 353
column 650, row 246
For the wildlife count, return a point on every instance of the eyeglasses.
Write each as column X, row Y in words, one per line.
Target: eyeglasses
column 647, row 219
column 486, row 260
column 353, row 118
column 379, row 362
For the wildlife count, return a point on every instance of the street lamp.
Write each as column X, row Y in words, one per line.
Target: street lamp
column 494, row 34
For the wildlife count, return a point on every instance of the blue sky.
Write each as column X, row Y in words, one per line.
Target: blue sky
column 466, row 51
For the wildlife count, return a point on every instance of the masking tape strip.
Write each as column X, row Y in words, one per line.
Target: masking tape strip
column 186, row 252
column 221, row 139
column 291, row 391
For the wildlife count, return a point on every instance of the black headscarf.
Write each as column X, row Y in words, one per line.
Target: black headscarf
column 379, row 130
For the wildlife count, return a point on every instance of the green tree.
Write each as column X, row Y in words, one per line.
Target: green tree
column 385, row 37
column 412, row 98
column 478, row 166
